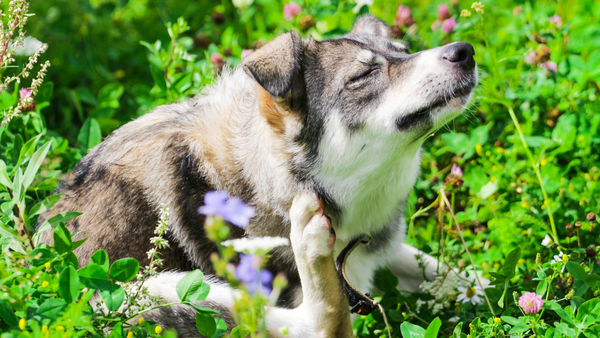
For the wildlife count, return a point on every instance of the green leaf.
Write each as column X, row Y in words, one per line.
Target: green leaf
column 587, row 308
column 204, row 309
column 4, row 178
column 39, row 256
column 192, row 287
column 34, row 164
column 411, row 331
column 488, row 190
column 62, row 239
column 93, row 276
column 510, row 263
column 576, row 270
column 27, row 149
column 205, row 324
column 592, row 280
column 7, row 315
column 68, row 284
column 457, row 330
column 53, row 222
column 46, row 204
column 124, row 269
column 90, row 134
column 221, row 328
column 159, row 77
column 100, row 257
column 117, row 331
column 239, row 332
column 433, row 328
column 51, row 308
column 113, row 295
column 542, row 287
column 511, row 320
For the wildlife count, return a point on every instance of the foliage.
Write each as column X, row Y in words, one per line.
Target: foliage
column 527, row 152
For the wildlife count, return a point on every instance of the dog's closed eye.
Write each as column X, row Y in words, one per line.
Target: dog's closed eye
column 364, row 75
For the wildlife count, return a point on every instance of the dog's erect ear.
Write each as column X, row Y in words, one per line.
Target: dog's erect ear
column 370, row 25
column 276, row 64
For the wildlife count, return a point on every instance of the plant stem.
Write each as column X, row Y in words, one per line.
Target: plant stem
column 538, row 173
column 443, row 196
column 150, row 309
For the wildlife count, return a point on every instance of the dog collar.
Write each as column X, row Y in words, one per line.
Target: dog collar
column 360, row 303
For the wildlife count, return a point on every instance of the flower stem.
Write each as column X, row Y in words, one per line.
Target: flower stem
column 538, row 173
column 445, row 199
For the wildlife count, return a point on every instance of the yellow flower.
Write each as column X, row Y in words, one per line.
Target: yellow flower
column 500, row 150
column 465, row 13
column 129, row 334
column 48, row 265
column 565, row 258
column 60, row 328
column 142, row 321
column 120, row 74
column 22, row 324
column 488, row 153
column 521, row 261
column 543, row 162
column 493, row 179
column 45, row 283
column 158, row 329
column 44, row 328
column 524, row 205
column 478, row 7
column 497, row 320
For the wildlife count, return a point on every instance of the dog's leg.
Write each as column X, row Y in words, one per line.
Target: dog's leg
column 324, row 310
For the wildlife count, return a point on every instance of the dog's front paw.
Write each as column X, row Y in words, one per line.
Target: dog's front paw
column 311, row 233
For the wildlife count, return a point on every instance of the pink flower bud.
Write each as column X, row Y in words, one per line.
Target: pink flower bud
column 448, row 25
column 436, row 24
column 291, row 10
column 24, row 93
column 443, row 12
column 549, row 65
column 456, row 170
column 246, row 52
column 555, row 20
column 404, row 16
column 531, row 302
column 216, row 59
column 530, row 58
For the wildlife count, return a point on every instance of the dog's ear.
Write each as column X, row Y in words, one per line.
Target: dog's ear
column 368, row 24
column 276, row 64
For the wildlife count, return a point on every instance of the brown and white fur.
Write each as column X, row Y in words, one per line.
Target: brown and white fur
column 338, row 122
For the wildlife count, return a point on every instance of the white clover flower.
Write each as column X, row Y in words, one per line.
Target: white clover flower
column 252, row 245
column 470, row 294
column 455, row 319
column 547, row 241
column 561, row 258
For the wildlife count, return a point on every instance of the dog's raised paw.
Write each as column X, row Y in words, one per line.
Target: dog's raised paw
column 311, row 234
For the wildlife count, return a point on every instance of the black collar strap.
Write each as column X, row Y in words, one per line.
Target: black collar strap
column 359, row 302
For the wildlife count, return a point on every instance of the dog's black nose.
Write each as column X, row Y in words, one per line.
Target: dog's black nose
column 460, row 54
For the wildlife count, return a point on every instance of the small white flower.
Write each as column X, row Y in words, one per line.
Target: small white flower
column 547, row 241
column 470, row 294
column 560, row 259
column 454, row 319
column 242, row 4
column 251, row 245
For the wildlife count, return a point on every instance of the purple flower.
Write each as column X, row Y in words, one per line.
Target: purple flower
column 404, row 17
column 549, row 65
column 249, row 273
column 24, row 93
column 448, row 25
column 246, row 52
column 555, row 20
column 233, row 210
column 531, row 302
column 291, row 10
column 456, row 170
column 443, row 12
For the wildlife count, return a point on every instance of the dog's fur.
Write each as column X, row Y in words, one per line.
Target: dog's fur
column 339, row 121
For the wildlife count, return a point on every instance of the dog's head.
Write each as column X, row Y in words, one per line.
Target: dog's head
column 366, row 80
column 360, row 107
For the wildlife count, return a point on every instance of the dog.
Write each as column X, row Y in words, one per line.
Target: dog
column 315, row 136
